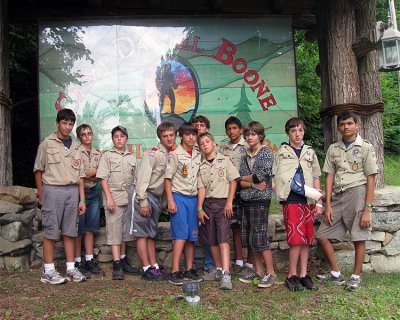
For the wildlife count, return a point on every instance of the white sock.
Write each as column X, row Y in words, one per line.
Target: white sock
column 249, row 265
column 223, row 271
column 355, row 276
column 70, row 265
column 88, row 257
column 145, row 268
column 48, row 267
column 219, row 269
column 122, row 256
column 239, row 263
column 78, row 259
column 335, row 273
column 156, row 266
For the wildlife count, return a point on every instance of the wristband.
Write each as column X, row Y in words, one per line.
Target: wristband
column 251, row 184
column 368, row 205
column 82, row 201
column 199, row 210
column 319, row 205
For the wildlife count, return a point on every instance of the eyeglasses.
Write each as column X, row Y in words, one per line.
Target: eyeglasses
column 84, row 135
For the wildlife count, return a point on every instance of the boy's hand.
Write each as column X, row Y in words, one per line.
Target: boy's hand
column 81, row 208
column 39, row 197
column 110, row 205
column 202, row 216
column 318, row 208
column 365, row 220
column 172, row 207
column 228, row 210
column 260, row 186
column 328, row 215
column 144, row 211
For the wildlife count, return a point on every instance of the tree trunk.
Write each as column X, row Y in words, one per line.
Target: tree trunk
column 5, row 105
column 370, row 86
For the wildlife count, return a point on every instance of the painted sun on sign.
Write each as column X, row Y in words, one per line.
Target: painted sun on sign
column 171, row 93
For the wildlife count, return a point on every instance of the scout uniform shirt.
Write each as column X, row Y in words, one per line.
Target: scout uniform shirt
column 90, row 160
column 60, row 166
column 119, row 171
column 235, row 152
column 216, row 176
column 150, row 176
column 286, row 164
column 182, row 169
column 350, row 166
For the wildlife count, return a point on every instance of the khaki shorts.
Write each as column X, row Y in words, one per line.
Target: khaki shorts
column 115, row 226
column 347, row 208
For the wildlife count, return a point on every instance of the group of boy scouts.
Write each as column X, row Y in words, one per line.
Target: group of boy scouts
column 208, row 190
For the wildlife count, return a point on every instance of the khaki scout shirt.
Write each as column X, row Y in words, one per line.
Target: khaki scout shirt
column 182, row 169
column 235, row 153
column 215, row 177
column 150, row 176
column 285, row 166
column 60, row 166
column 90, row 161
column 350, row 166
column 119, row 171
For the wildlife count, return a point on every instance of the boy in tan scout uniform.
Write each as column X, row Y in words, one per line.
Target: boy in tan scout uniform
column 181, row 191
column 59, row 180
column 297, row 161
column 90, row 222
column 117, row 172
column 236, row 149
column 351, row 167
column 217, row 187
column 146, row 201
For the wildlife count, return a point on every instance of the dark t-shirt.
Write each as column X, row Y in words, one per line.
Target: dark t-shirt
column 294, row 197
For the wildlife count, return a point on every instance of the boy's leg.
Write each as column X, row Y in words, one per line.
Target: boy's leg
column 359, row 247
column 151, row 251
column 237, row 244
column 294, row 254
column 216, row 254
column 78, row 249
column 116, row 251
column 89, row 243
column 69, row 248
column 189, row 254
column 48, row 250
column 225, row 255
column 177, row 249
column 329, row 253
column 304, row 252
column 142, row 250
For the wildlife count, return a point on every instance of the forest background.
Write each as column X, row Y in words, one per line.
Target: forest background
column 25, row 114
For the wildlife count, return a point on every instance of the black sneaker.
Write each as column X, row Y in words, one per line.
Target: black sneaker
column 152, row 274
column 81, row 268
column 176, row 278
column 192, row 275
column 127, row 268
column 307, row 283
column 118, row 273
column 293, row 284
column 93, row 267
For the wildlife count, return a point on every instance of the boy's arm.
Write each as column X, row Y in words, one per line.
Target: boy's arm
column 168, row 191
column 82, row 200
column 365, row 221
column 200, row 200
column 39, row 186
column 318, row 205
column 231, row 194
column 110, row 201
column 330, row 178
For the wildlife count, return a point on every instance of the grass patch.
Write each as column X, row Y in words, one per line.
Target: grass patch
column 392, row 169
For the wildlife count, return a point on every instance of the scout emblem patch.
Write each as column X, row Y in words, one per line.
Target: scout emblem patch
column 221, row 172
column 185, row 170
column 354, row 167
column 356, row 152
column 75, row 163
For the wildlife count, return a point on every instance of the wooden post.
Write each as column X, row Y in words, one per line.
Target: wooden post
column 370, row 86
column 5, row 103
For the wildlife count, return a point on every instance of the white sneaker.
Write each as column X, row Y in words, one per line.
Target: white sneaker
column 75, row 275
column 52, row 277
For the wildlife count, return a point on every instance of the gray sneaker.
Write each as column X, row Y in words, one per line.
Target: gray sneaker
column 245, row 271
column 249, row 276
column 267, row 281
column 226, row 282
column 328, row 277
column 213, row 275
column 353, row 284
column 75, row 275
column 52, row 277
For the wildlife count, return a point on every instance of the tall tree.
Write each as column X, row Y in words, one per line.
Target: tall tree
column 241, row 110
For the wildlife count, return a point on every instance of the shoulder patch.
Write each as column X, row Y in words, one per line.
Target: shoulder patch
column 154, row 149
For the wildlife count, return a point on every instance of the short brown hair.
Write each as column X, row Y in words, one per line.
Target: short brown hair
column 81, row 127
column 294, row 122
column 255, row 127
column 187, row 128
column 203, row 135
column 165, row 126
column 201, row 119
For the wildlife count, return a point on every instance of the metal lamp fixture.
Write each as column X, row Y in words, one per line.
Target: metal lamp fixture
column 191, row 290
column 389, row 50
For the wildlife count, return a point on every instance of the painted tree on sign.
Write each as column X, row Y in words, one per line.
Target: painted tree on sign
column 241, row 110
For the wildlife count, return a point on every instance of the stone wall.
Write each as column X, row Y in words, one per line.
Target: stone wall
column 21, row 237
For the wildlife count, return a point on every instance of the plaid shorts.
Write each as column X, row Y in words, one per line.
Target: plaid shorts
column 255, row 226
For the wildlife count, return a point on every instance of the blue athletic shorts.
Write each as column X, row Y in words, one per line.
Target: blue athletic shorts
column 184, row 223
